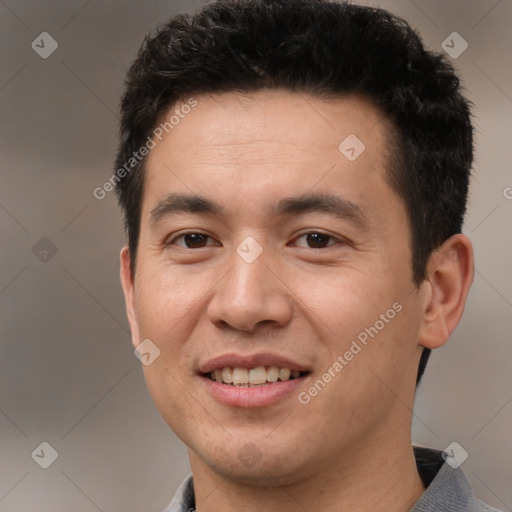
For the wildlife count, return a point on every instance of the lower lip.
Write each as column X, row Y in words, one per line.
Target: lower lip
column 258, row 396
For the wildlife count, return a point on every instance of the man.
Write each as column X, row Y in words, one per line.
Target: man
column 294, row 176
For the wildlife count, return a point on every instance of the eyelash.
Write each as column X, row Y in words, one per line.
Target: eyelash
column 330, row 237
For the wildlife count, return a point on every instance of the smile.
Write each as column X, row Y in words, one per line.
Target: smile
column 253, row 377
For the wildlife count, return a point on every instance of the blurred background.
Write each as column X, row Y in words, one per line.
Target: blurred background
column 68, row 376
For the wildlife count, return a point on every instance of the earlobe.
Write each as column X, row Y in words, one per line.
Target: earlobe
column 129, row 294
column 450, row 275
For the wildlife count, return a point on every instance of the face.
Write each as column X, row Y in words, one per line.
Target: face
column 295, row 262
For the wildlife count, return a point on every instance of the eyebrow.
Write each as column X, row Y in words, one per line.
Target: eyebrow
column 307, row 203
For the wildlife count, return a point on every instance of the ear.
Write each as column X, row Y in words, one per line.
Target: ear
column 129, row 295
column 450, row 273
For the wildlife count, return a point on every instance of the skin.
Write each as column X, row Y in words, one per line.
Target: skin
column 350, row 447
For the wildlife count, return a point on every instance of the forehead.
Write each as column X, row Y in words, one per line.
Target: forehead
column 267, row 142
column 272, row 115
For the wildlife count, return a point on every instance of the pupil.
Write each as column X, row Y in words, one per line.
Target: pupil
column 194, row 239
column 316, row 239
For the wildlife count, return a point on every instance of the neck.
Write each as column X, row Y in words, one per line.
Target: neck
column 378, row 476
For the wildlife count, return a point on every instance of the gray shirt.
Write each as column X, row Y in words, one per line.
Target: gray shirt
column 447, row 489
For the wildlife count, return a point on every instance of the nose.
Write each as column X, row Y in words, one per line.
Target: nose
column 251, row 294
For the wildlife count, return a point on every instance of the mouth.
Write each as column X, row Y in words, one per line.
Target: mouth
column 256, row 380
column 259, row 376
column 252, row 380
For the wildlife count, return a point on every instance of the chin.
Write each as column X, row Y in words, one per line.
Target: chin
column 259, row 463
column 265, row 473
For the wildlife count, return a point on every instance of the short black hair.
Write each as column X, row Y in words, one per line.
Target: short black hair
column 323, row 48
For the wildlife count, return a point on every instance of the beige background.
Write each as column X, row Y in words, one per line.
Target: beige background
column 68, row 374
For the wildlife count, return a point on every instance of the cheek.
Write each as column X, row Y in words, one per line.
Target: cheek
column 177, row 406
column 168, row 300
column 342, row 303
column 371, row 332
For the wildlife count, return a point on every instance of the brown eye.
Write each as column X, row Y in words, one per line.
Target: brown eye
column 192, row 240
column 317, row 240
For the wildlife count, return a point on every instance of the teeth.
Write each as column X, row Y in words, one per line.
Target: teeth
column 284, row 374
column 240, row 376
column 259, row 376
column 227, row 375
column 272, row 374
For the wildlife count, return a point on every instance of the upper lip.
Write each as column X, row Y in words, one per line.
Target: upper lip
column 250, row 361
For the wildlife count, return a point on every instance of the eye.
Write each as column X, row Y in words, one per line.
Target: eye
column 317, row 240
column 193, row 240
column 197, row 240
